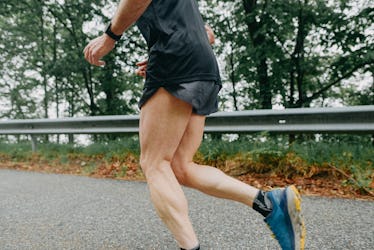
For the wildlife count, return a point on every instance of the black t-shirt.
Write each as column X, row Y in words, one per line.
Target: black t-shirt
column 179, row 49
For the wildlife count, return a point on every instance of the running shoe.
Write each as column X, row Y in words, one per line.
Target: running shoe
column 286, row 221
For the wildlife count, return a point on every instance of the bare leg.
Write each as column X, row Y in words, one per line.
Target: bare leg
column 214, row 182
column 163, row 121
column 207, row 179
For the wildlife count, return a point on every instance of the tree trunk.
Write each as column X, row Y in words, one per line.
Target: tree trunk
column 264, row 83
column 372, row 96
column 57, row 78
column 71, row 101
column 87, row 76
column 233, row 81
column 291, row 102
column 258, row 39
column 44, row 67
column 299, row 56
column 297, row 70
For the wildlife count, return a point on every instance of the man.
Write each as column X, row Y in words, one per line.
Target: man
column 181, row 88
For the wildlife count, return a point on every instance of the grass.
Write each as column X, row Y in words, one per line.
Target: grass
column 352, row 156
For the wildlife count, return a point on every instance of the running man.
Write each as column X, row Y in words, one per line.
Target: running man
column 181, row 88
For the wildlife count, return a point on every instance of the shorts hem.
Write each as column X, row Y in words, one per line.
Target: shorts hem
column 201, row 104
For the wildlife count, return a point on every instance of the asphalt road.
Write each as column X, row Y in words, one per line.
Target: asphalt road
column 46, row 211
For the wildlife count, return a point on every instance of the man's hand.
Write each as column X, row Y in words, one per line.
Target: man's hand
column 97, row 49
column 142, row 68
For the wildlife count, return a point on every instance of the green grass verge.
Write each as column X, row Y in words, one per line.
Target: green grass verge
column 249, row 154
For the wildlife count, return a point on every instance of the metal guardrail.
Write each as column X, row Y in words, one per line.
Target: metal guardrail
column 359, row 119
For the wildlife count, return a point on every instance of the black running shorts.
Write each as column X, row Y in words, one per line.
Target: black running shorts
column 202, row 95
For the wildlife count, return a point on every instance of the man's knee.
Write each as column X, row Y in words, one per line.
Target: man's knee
column 152, row 167
column 180, row 169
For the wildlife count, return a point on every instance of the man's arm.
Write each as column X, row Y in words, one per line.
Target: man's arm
column 127, row 13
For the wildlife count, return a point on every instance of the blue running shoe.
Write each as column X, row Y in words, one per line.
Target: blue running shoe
column 286, row 221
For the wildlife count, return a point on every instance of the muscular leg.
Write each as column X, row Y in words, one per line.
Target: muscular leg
column 163, row 121
column 207, row 179
column 213, row 182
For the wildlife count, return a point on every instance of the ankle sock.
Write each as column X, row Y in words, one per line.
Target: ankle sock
column 262, row 204
column 195, row 248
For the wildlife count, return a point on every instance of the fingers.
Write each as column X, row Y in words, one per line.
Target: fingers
column 100, row 63
column 142, row 74
column 142, row 63
column 97, row 49
column 91, row 57
column 143, row 68
column 90, row 54
column 141, row 71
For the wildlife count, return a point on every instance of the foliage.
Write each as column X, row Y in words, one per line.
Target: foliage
column 292, row 53
column 289, row 53
column 42, row 49
column 352, row 155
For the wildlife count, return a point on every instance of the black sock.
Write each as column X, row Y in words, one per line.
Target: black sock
column 195, row 248
column 262, row 204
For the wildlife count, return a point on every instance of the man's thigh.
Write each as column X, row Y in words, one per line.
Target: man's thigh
column 191, row 139
column 163, row 121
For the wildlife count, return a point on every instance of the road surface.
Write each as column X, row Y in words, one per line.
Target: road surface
column 47, row 211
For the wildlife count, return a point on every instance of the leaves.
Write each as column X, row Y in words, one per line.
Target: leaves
column 262, row 168
column 41, row 47
column 293, row 52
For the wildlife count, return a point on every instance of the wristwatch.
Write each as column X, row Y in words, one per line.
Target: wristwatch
column 109, row 32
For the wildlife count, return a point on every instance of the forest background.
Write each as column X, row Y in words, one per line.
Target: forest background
column 272, row 55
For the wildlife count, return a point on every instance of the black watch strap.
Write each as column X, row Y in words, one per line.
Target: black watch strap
column 109, row 32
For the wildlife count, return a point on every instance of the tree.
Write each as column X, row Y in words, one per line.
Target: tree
column 49, row 37
column 295, row 50
column 292, row 53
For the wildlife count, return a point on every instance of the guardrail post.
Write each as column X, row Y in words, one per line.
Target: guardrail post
column 33, row 143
